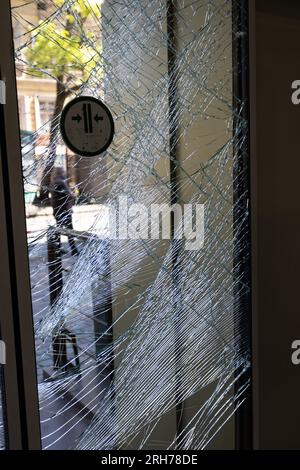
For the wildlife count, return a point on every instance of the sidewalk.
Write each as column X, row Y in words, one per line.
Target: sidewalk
column 88, row 217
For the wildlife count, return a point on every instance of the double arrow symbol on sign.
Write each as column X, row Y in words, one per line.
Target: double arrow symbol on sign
column 87, row 118
column 78, row 118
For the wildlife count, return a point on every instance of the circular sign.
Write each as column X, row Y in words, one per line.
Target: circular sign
column 87, row 126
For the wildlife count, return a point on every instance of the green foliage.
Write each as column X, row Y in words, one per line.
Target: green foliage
column 67, row 49
column 81, row 7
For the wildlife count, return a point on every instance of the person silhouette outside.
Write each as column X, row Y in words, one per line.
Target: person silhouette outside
column 62, row 200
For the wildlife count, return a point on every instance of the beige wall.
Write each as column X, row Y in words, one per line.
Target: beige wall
column 198, row 142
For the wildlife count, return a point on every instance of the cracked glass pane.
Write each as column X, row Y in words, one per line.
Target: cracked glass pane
column 135, row 255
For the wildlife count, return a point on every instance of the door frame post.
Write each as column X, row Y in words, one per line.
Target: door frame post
column 21, row 395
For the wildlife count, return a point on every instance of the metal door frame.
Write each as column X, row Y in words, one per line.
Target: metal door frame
column 254, row 235
column 16, row 321
column 21, row 396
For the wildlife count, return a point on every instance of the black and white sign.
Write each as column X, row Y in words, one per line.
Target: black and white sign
column 87, row 126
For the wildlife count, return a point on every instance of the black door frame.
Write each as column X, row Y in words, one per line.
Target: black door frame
column 21, row 395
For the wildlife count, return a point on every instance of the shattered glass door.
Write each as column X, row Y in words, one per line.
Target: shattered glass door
column 136, row 254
